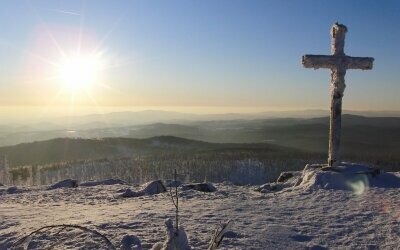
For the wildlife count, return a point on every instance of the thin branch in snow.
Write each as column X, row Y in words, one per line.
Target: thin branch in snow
column 26, row 239
column 219, row 235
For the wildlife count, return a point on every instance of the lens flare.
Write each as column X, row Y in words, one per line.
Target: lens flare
column 358, row 184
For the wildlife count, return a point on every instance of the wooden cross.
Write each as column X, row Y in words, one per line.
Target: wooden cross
column 338, row 63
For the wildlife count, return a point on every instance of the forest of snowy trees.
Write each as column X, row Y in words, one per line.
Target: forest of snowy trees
column 139, row 161
column 145, row 168
column 237, row 169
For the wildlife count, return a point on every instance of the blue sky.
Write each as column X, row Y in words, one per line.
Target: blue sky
column 203, row 53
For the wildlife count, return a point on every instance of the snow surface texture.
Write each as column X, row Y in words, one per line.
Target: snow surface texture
column 306, row 214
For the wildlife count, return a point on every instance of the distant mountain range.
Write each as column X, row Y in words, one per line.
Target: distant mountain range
column 366, row 138
column 157, row 116
column 128, row 118
column 212, row 130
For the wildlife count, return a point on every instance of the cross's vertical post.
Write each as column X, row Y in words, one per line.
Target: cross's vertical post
column 338, row 85
column 338, row 63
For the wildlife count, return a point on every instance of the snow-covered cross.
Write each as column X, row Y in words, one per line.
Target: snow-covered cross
column 338, row 63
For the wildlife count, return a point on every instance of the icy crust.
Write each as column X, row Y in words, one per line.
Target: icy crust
column 285, row 181
column 68, row 183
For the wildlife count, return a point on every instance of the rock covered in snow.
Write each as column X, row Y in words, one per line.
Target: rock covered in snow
column 130, row 242
column 153, row 187
column 347, row 176
column 202, row 187
column 172, row 183
column 231, row 234
column 103, row 182
column 129, row 193
column 149, row 188
column 13, row 190
column 68, row 183
column 269, row 187
column 285, row 180
column 284, row 176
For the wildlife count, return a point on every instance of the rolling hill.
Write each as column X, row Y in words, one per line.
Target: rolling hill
column 74, row 149
column 375, row 139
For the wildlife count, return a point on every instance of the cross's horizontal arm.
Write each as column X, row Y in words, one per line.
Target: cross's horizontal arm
column 330, row 62
column 363, row 63
column 319, row 61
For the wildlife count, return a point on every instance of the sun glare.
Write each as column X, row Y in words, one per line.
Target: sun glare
column 79, row 72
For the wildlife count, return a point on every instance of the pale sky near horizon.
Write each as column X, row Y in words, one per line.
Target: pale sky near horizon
column 238, row 55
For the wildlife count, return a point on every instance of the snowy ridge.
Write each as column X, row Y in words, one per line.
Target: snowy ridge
column 306, row 214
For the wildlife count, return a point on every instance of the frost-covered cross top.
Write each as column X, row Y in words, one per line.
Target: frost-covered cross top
column 338, row 63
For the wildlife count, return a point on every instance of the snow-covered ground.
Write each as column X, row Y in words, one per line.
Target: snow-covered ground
column 293, row 218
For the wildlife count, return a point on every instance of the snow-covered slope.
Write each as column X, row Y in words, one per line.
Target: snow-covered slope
column 301, row 217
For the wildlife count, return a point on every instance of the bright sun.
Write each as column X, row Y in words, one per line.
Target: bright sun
column 77, row 73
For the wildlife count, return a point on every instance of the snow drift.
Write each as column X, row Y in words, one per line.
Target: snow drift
column 348, row 176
